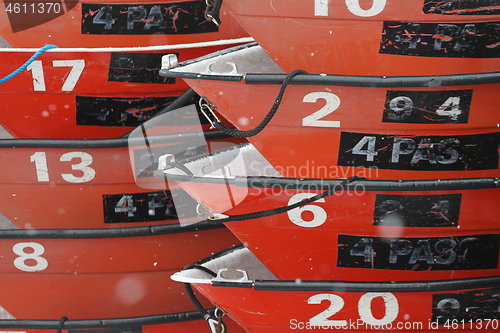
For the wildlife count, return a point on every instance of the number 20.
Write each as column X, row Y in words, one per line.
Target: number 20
column 364, row 309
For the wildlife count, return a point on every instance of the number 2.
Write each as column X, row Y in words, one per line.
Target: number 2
column 332, row 104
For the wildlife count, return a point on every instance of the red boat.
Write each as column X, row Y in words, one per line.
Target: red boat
column 375, row 37
column 249, row 294
column 97, row 274
column 419, row 127
column 50, row 176
column 111, row 23
column 80, row 239
column 89, row 93
column 407, row 230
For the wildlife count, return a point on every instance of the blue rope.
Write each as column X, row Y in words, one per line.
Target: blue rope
column 27, row 63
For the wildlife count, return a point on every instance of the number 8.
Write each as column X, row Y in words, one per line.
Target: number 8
column 41, row 263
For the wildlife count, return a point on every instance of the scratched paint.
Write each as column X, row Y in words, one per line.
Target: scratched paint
column 144, row 207
column 118, row 111
column 417, row 210
column 461, row 7
column 136, row 68
column 420, row 153
column 427, row 107
column 419, row 254
column 450, row 40
column 146, row 19
column 473, row 308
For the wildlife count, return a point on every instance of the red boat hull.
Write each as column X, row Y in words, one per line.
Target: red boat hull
column 114, row 23
column 81, row 239
column 374, row 37
column 101, row 278
column 292, row 146
column 261, row 305
column 372, row 231
column 366, row 235
column 419, row 127
column 89, row 93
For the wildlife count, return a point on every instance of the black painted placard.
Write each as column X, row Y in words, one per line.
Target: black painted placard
column 144, row 207
column 427, row 107
column 417, row 210
column 422, row 153
column 419, row 254
column 472, row 309
column 449, row 40
column 136, row 68
column 173, row 18
column 118, row 111
column 462, row 7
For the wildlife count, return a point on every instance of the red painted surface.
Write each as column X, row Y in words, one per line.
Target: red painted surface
column 344, row 42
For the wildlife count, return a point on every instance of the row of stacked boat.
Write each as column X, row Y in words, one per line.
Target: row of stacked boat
column 367, row 195
column 84, row 246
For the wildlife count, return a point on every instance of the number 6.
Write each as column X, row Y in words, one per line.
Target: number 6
column 295, row 215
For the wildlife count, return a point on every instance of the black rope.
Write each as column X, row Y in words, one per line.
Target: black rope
column 245, row 134
column 61, row 324
column 206, row 270
column 221, row 327
column 191, row 294
column 195, row 301
column 280, row 210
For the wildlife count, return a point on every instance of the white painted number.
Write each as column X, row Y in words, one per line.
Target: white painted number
column 332, row 104
column 77, row 68
column 42, row 170
column 364, row 309
column 295, row 215
column 354, row 7
column 38, row 250
column 336, row 304
column 370, row 152
column 86, row 160
column 451, row 108
column 126, row 205
column 321, row 8
column 36, row 68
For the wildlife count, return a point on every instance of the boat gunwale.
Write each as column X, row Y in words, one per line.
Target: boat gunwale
column 109, row 143
column 100, row 233
column 101, row 323
column 165, row 47
column 327, row 184
column 343, row 286
column 426, row 81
